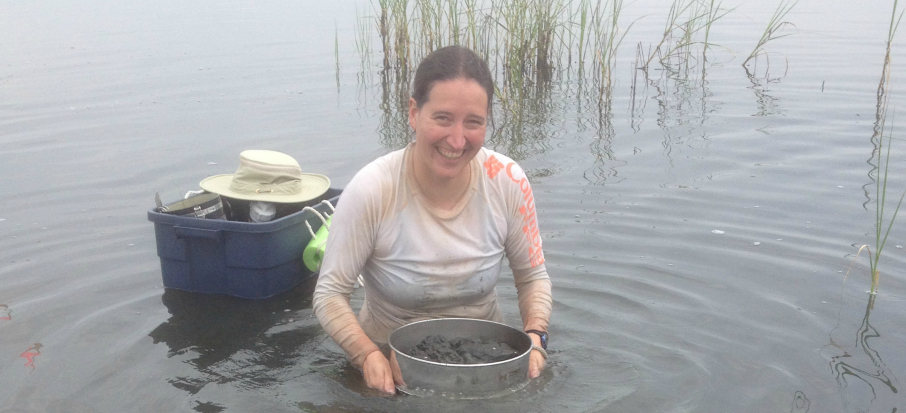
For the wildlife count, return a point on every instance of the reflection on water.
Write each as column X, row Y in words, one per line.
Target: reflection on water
column 248, row 343
column 30, row 354
column 880, row 123
column 767, row 104
column 858, row 363
column 394, row 124
column 800, row 403
column 604, row 168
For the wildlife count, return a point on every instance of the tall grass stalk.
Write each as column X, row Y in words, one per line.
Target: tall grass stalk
column 775, row 28
column 584, row 7
column 881, row 232
column 885, row 71
column 383, row 24
column 715, row 13
column 677, row 8
column 401, row 35
column 453, row 21
column 881, row 161
column 471, row 39
column 336, row 53
column 363, row 43
column 607, row 39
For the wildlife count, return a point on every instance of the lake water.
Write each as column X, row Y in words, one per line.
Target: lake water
column 698, row 236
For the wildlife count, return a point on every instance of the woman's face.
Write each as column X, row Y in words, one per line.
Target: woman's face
column 449, row 127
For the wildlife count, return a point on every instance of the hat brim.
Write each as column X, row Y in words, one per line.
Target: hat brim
column 312, row 186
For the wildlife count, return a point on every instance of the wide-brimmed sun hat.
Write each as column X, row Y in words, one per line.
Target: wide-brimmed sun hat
column 268, row 176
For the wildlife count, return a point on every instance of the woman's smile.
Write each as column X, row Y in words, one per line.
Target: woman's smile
column 449, row 130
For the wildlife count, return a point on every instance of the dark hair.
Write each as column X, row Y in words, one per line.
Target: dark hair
column 448, row 63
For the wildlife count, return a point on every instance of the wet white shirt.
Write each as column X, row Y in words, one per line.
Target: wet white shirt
column 420, row 262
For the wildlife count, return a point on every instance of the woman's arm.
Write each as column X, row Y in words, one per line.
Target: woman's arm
column 349, row 245
column 533, row 289
column 526, row 258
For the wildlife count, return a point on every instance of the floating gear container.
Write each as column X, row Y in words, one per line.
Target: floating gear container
column 241, row 259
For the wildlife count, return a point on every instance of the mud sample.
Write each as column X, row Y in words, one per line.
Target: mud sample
column 462, row 350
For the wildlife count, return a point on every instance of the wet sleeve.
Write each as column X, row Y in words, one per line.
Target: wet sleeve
column 524, row 253
column 349, row 245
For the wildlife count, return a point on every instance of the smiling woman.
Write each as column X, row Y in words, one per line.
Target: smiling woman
column 428, row 227
column 449, row 132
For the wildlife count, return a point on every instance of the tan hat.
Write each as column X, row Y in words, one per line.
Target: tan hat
column 268, row 176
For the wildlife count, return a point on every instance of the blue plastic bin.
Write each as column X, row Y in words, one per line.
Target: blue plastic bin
column 241, row 259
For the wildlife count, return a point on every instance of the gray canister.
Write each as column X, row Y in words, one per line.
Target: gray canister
column 461, row 381
column 206, row 205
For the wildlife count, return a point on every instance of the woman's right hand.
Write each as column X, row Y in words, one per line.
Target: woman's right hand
column 378, row 374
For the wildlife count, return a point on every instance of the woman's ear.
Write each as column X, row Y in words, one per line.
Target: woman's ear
column 413, row 111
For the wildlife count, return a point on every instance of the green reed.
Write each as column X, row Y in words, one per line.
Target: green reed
column 606, row 41
column 715, row 12
column 393, row 29
column 363, row 45
column 885, row 73
column 583, row 12
column 774, row 30
column 401, row 26
column 883, row 160
column 881, row 233
column 336, row 52
column 677, row 9
column 687, row 28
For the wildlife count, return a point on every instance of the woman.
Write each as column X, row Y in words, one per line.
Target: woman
column 428, row 226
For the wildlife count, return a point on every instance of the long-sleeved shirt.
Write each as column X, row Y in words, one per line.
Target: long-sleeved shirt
column 420, row 262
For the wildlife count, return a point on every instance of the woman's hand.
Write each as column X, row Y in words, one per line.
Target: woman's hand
column 536, row 359
column 381, row 374
column 536, row 364
column 378, row 374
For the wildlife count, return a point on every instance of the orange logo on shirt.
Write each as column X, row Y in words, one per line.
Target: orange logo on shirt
column 529, row 219
column 493, row 166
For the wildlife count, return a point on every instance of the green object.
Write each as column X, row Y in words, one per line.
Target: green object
column 314, row 251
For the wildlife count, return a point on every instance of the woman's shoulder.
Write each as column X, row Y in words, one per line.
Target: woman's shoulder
column 377, row 184
column 383, row 169
column 499, row 168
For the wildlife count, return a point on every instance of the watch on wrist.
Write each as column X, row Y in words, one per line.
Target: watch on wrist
column 540, row 334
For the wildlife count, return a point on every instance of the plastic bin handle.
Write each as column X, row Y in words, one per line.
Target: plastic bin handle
column 189, row 232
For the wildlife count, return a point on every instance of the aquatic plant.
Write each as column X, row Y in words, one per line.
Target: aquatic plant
column 607, row 41
column 885, row 70
column 363, row 46
column 882, row 160
column 881, row 201
column 774, row 30
column 714, row 13
column 336, row 53
column 686, row 31
column 677, row 8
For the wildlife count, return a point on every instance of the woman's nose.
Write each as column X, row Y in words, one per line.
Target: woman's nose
column 457, row 138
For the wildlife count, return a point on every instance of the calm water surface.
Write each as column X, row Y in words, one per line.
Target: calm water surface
column 698, row 235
